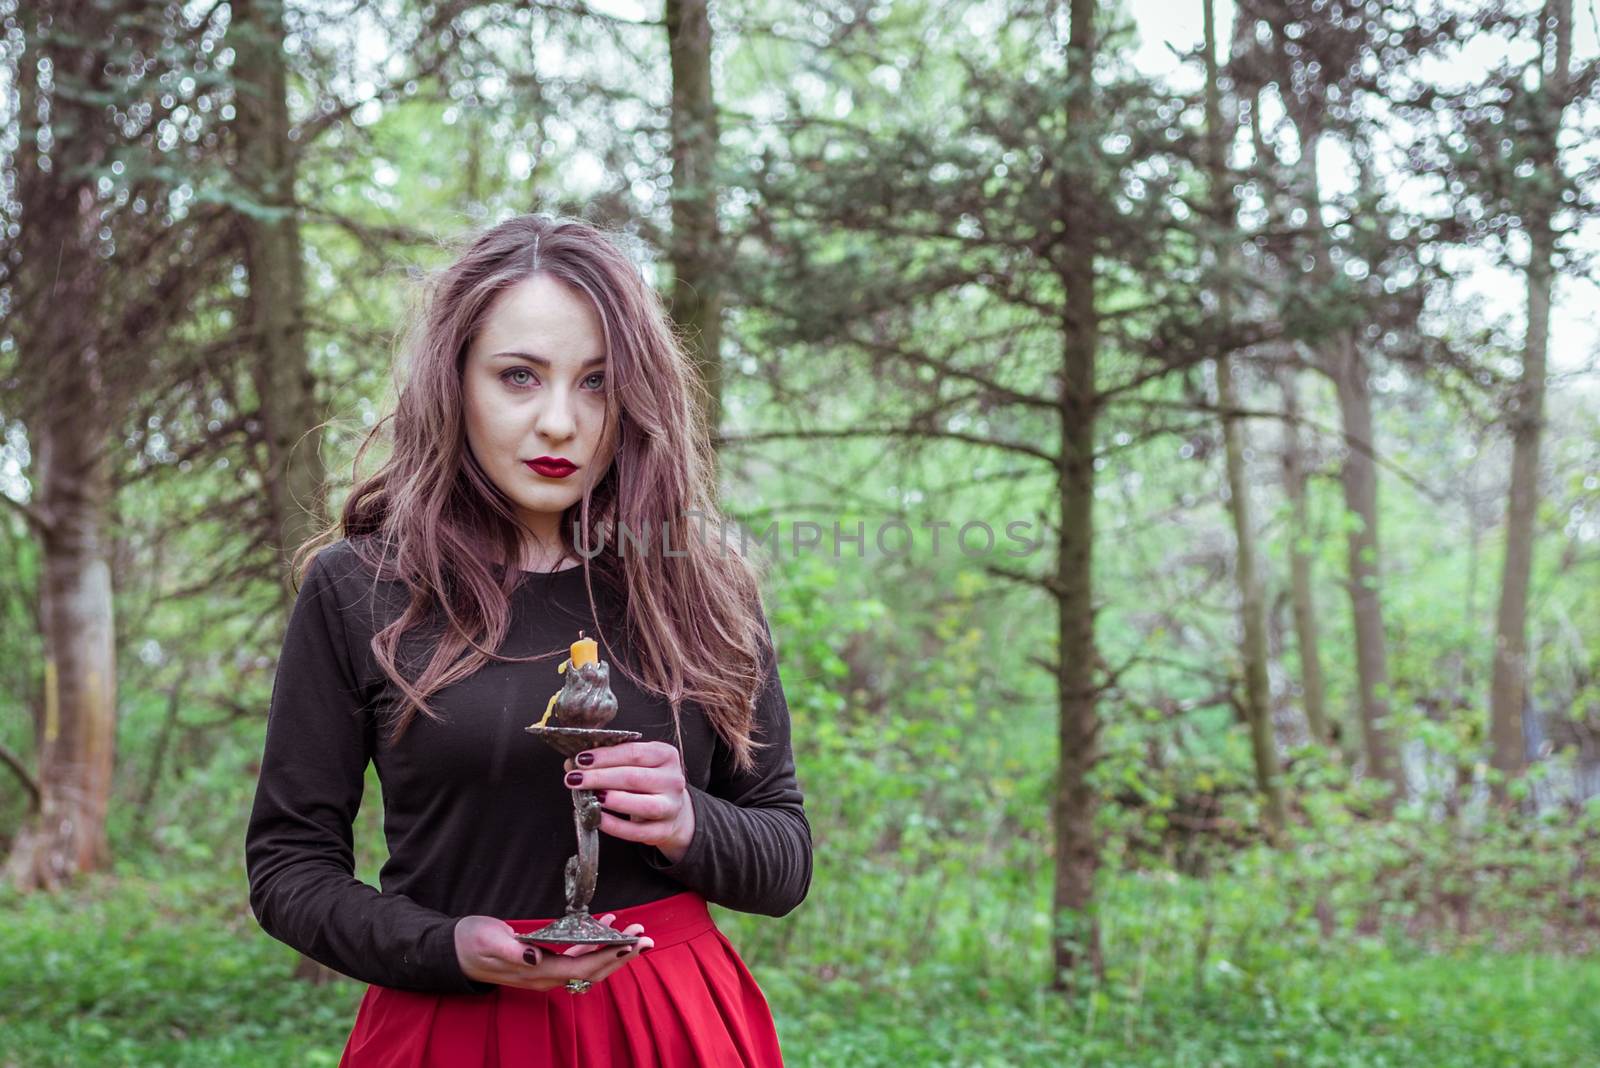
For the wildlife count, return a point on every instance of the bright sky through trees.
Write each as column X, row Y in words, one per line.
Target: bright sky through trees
column 1168, row 28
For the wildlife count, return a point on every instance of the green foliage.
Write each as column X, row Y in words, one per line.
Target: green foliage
column 130, row 971
column 170, row 972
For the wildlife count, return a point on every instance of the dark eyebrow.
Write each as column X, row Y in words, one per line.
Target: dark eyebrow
column 544, row 361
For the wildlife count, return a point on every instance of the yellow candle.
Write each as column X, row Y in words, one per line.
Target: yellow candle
column 585, row 651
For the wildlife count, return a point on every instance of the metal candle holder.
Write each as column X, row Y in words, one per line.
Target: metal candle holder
column 584, row 705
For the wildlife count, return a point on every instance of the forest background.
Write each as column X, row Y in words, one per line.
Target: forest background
column 1275, row 739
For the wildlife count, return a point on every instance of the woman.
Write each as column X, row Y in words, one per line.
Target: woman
column 549, row 475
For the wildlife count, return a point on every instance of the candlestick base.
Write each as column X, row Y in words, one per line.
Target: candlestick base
column 578, row 929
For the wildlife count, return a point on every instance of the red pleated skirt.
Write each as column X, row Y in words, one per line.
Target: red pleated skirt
column 687, row 1002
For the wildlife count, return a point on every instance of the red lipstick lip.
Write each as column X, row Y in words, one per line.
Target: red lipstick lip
column 551, row 466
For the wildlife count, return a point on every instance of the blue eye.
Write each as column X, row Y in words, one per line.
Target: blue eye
column 601, row 376
column 506, row 378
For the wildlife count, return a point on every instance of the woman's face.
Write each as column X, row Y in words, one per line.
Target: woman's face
column 534, row 389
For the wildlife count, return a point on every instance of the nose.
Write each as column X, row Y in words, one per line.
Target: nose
column 557, row 418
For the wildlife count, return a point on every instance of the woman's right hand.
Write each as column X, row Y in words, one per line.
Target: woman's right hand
column 489, row 953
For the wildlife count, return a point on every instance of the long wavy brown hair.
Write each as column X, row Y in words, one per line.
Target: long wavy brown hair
column 431, row 518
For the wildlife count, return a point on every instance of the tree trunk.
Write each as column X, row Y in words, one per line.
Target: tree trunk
column 70, row 411
column 275, row 315
column 275, row 311
column 1359, row 477
column 1252, row 608
column 1340, row 358
column 1313, row 688
column 1507, row 688
column 1077, row 850
column 1509, row 680
column 695, row 252
column 77, row 747
column 1252, row 600
column 1301, row 593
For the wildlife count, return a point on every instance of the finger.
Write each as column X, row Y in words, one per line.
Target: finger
column 582, row 949
column 606, row 963
column 591, row 966
column 638, row 754
column 586, row 948
column 641, row 806
column 561, row 969
column 630, row 777
column 649, row 832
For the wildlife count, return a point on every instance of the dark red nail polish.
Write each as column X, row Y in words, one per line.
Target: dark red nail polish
column 600, row 795
column 574, row 778
column 531, row 955
column 622, row 952
column 586, row 759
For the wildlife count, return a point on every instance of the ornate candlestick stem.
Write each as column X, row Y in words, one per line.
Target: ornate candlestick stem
column 583, row 870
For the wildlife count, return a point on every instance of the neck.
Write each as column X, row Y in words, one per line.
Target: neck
column 541, row 547
column 538, row 559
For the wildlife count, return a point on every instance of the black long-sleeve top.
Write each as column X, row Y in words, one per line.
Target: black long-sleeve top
column 476, row 815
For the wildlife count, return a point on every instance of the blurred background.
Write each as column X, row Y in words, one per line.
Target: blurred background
column 1269, row 734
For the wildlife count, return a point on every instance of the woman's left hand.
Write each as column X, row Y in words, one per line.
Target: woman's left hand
column 643, row 780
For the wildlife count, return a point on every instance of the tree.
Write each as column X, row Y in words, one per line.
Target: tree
column 1494, row 148
column 103, row 266
column 1302, row 595
column 1541, row 112
column 695, row 246
column 1327, row 74
column 273, row 324
column 1252, row 598
column 1004, row 268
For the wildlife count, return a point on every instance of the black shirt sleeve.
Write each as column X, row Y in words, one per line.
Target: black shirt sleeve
column 751, row 849
column 299, row 845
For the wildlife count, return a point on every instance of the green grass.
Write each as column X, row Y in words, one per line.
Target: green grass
column 1347, row 1012
column 128, row 971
